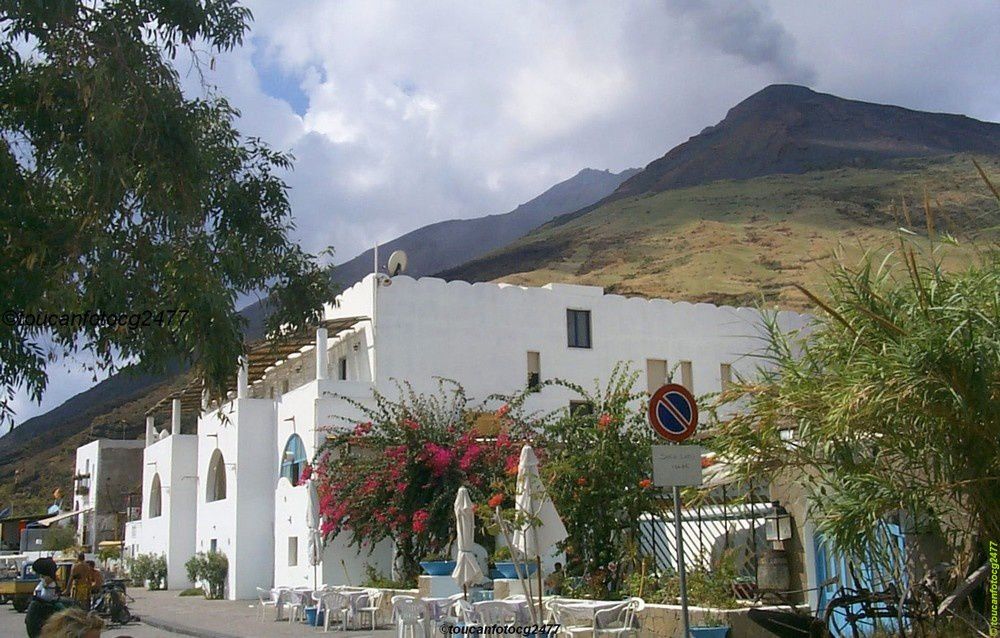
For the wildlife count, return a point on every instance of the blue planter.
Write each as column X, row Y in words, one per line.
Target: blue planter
column 312, row 618
column 438, row 567
column 709, row 632
column 507, row 570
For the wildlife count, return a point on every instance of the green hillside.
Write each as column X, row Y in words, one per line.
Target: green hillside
column 742, row 241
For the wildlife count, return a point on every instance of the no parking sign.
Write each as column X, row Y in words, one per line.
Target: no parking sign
column 673, row 412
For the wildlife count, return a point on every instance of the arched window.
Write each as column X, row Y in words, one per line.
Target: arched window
column 216, row 484
column 293, row 459
column 155, row 497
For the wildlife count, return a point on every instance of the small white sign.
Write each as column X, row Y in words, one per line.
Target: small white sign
column 676, row 465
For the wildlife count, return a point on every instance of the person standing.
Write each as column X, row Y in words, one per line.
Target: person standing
column 81, row 578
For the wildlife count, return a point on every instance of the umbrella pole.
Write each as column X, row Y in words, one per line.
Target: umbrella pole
column 465, row 592
column 538, row 564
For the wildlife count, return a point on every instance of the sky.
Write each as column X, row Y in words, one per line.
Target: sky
column 400, row 114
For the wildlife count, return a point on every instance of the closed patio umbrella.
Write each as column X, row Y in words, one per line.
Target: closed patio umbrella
column 543, row 529
column 315, row 537
column 467, row 571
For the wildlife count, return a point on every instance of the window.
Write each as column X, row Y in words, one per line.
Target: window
column 534, row 370
column 342, row 368
column 581, row 407
column 216, row 487
column 656, row 374
column 578, row 328
column 293, row 551
column 687, row 375
column 293, row 459
column 155, row 497
column 213, row 545
column 726, row 373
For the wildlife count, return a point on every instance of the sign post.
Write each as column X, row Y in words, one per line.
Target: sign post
column 673, row 415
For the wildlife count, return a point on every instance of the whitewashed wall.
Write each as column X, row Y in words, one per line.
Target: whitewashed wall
column 175, row 459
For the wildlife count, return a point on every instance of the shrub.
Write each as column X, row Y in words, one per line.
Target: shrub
column 109, row 553
column 210, row 568
column 373, row 578
column 150, row 569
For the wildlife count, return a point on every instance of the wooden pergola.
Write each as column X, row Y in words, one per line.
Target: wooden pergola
column 261, row 358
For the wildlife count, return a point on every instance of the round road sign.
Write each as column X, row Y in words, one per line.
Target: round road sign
column 673, row 412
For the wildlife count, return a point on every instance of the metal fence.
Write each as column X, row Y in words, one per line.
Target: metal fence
column 729, row 521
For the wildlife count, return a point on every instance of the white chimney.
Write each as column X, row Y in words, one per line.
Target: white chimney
column 322, row 354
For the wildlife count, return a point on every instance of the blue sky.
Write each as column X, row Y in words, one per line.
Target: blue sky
column 400, row 114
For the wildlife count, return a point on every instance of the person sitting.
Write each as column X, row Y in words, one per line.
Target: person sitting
column 46, row 600
column 554, row 581
column 96, row 579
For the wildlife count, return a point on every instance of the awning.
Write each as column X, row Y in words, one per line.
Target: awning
column 45, row 522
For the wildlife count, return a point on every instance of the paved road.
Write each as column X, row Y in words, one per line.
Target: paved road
column 12, row 626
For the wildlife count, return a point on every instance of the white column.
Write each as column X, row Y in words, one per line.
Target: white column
column 243, row 380
column 175, row 416
column 150, row 430
column 322, row 354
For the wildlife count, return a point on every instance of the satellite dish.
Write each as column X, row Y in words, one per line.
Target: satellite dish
column 397, row 263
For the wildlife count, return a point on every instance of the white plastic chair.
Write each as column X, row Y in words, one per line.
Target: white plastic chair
column 333, row 603
column 496, row 613
column 294, row 602
column 409, row 614
column 267, row 598
column 620, row 620
column 569, row 623
column 374, row 602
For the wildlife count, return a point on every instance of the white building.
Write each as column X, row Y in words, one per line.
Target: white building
column 231, row 487
column 104, row 487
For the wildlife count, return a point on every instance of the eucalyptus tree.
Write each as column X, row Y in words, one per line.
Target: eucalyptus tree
column 122, row 194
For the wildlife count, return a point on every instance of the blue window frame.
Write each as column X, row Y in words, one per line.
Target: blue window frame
column 293, row 459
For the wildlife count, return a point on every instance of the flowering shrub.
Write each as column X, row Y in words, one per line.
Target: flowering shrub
column 395, row 474
column 597, row 466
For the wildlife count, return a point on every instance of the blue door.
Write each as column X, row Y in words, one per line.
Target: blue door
column 860, row 572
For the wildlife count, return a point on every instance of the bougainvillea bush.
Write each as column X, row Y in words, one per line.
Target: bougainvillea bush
column 395, row 474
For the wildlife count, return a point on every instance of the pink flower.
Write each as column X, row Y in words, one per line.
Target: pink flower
column 503, row 411
column 362, row 428
column 469, row 458
column 307, row 473
column 495, row 500
column 420, row 518
column 604, row 421
column 439, row 458
column 411, row 424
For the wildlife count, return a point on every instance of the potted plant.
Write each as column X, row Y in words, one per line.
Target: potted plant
column 710, row 626
column 505, row 565
column 437, row 564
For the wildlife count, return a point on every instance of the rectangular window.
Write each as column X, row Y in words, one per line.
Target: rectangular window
column 342, row 368
column 726, row 373
column 578, row 328
column 687, row 376
column 213, row 545
column 534, row 370
column 581, row 407
column 656, row 374
column 293, row 551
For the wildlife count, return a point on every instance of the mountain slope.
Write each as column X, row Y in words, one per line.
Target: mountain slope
column 738, row 242
column 791, row 129
column 450, row 243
